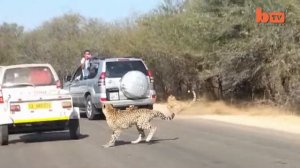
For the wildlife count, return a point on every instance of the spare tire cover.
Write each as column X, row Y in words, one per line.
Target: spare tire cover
column 134, row 85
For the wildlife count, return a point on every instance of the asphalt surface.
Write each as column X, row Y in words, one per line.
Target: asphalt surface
column 182, row 143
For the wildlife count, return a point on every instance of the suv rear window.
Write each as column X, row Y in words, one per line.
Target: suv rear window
column 120, row 68
column 37, row 76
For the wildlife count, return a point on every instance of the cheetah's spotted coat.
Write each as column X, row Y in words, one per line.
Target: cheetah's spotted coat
column 119, row 120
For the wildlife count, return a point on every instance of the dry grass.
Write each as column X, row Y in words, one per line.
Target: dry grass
column 204, row 107
column 262, row 116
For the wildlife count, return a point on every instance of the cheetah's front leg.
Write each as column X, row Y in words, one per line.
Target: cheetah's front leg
column 113, row 139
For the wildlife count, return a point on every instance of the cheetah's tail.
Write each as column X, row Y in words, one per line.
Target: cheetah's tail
column 164, row 116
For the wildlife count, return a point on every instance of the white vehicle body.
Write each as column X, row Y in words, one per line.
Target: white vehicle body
column 30, row 94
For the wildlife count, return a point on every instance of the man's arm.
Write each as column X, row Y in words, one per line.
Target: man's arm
column 82, row 63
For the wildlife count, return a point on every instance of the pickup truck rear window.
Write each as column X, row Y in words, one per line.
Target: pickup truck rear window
column 36, row 76
column 120, row 68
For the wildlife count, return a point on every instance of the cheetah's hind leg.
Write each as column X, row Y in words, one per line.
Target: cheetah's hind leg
column 113, row 139
column 141, row 135
column 151, row 133
column 152, row 129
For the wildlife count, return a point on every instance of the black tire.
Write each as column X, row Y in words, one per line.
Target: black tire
column 101, row 115
column 90, row 108
column 74, row 128
column 150, row 107
column 4, row 134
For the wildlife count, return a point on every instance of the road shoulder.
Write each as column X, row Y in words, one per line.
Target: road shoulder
column 279, row 122
column 285, row 123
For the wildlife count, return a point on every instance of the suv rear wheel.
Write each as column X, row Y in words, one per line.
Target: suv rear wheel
column 3, row 134
column 90, row 108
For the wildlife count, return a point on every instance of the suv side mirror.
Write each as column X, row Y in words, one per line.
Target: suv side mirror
column 67, row 78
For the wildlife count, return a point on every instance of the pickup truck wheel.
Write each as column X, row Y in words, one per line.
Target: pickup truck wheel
column 4, row 134
column 74, row 128
column 90, row 108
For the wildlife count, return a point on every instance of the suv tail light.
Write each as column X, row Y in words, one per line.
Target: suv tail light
column 58, row 84
column 1, row 97
column 153, row 97
column 101, row 81
column 149, row 74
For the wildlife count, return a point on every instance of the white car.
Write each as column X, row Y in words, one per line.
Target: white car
column 31, row 99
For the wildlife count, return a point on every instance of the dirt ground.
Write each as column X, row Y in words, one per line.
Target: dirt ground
column 256, row 116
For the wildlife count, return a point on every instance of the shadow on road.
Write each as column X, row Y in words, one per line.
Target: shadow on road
column 45, row 137
column 154, row 141
column 98, row 117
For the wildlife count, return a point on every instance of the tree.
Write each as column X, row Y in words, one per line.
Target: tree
column 10, row 43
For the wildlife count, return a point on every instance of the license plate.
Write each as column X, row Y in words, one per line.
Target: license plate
column 114, row 96
column 40, row 105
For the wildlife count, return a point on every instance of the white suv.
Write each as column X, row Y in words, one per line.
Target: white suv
column 31, row 99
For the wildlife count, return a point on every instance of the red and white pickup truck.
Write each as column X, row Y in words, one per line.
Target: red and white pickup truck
column 31, row 99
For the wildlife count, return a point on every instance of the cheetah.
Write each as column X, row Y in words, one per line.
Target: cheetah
column 177, row 106
column 131, row 107
column 118, row 120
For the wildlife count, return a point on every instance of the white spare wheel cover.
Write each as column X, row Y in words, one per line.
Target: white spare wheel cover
column 134, row 85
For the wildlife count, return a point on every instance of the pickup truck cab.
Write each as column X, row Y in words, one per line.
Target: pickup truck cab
column 31, row 98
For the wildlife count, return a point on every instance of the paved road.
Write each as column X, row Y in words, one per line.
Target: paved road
column 182, row 143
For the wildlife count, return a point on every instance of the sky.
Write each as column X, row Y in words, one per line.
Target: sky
column 32, row 13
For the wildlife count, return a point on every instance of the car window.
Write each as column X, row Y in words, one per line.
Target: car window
column 37, row 76
column 120, row 68
column 93, row 69
column 78, row 74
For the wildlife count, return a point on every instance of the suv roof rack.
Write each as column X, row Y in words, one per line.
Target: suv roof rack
column 131, row 57
column 98, row 57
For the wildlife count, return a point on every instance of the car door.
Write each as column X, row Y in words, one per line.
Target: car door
column 75, row 86
column 87, row 85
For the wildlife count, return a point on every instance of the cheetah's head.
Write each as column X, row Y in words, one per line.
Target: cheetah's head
column 107, row 108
